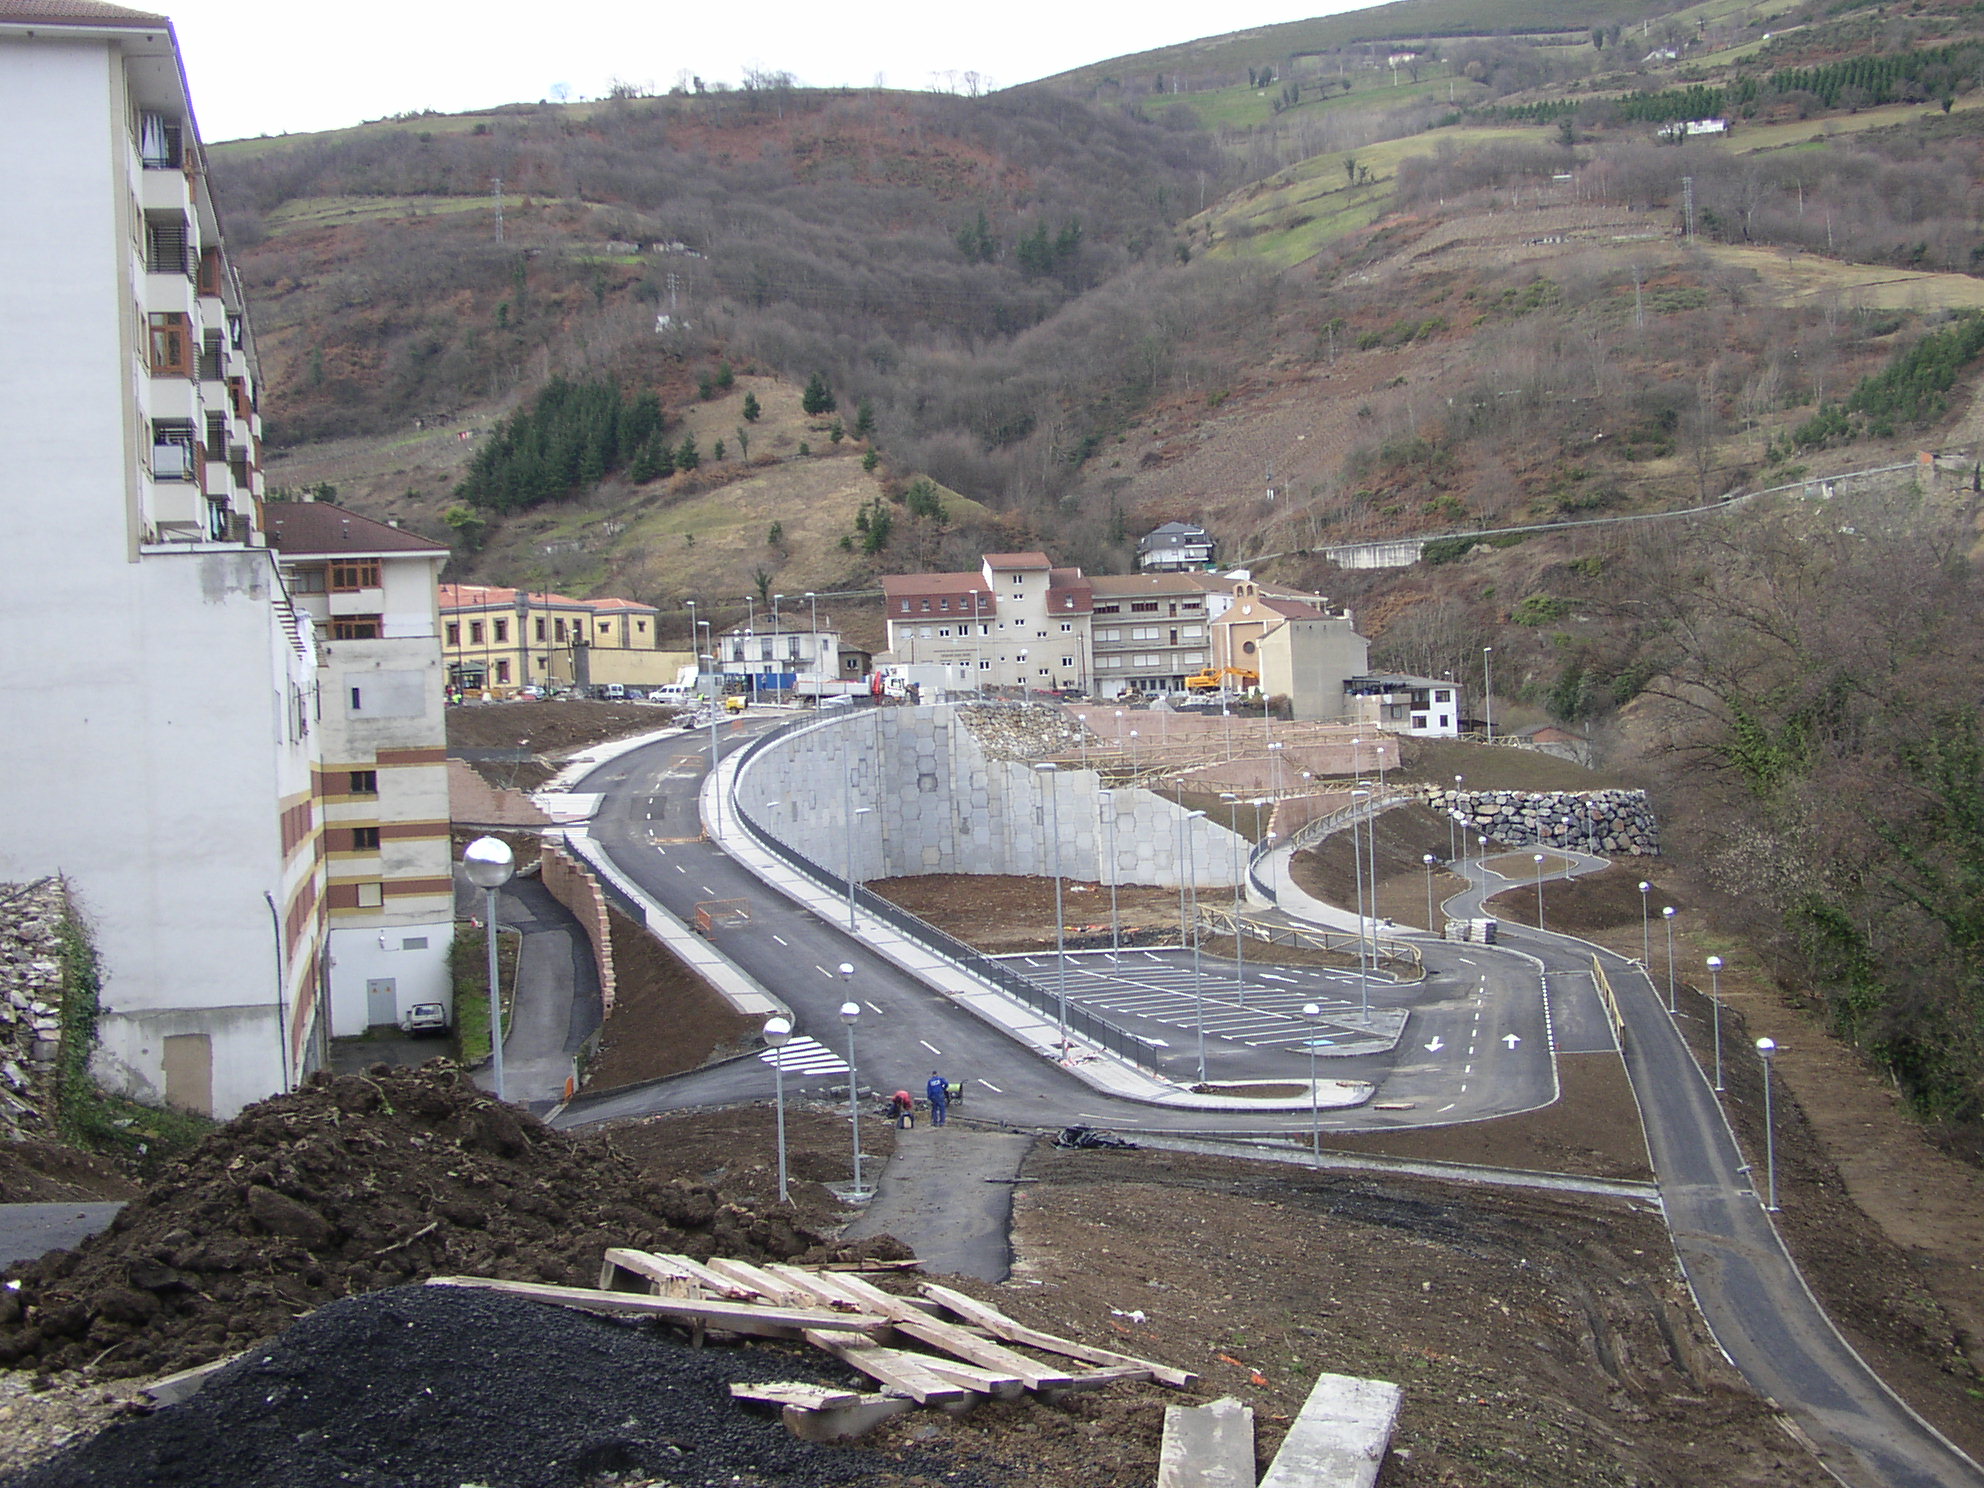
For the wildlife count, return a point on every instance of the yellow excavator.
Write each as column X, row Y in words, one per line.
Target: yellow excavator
column 1215, row 677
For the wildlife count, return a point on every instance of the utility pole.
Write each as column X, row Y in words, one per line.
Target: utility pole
column 498, row 183
column 1688, row 204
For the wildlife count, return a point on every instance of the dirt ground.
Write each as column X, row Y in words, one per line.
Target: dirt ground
column 548, row 729
column 665, row 1018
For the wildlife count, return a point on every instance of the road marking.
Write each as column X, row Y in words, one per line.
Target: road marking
column 1446, row 1108
column 779, row 938
column 805, row 1056
column 1465, row 961
column 706, row 889
column 1511, row 1040
column 816, row 966
column 1467, row 1069
column 928, row 1045
column 878, row 1013
column 679, row 869
column 1436, row 1045
column 1268, row 976
column 991, row 1087
column 1463, row 1087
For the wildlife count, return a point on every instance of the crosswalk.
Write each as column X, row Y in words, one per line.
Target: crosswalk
column 805, row 1056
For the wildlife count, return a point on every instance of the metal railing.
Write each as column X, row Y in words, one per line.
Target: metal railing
column 1044, row 1000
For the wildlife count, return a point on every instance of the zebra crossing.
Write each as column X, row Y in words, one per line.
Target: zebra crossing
column 805, row 1056
column 1266, row 1013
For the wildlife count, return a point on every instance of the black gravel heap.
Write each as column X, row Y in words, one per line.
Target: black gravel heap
column 447, row 1386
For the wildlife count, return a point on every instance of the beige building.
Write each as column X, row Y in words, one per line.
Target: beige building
column 499, row 640
column 1018, row 622
column 381, row 775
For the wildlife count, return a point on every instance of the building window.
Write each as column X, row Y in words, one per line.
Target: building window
column 414, row 943
column 355, row 627
column 306, row 581
column 503, row 672
column 351, row 574
column 558, row 627
column 641, row 626
column 944, row 632
column 363, row 783
column 1144, row 607
column 370, row 895
column 172, row 449
column 1067, row 627
column 475, row 632
column 540, row 627
column 502, row 630
column 454, row 632
column 365, row 839
column 985, row 666
column 172, row 347
column 1067, row 661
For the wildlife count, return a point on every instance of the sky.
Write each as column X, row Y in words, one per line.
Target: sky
column 276, row 66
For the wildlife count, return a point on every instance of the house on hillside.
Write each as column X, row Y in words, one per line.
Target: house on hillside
column 1425, row 707
column 499, row 640
column 1174, row 546
column 1019, row 622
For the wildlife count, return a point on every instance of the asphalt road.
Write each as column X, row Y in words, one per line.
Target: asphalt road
column 1744, row 1280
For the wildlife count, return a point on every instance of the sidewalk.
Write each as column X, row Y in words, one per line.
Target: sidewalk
column 1101, row 1070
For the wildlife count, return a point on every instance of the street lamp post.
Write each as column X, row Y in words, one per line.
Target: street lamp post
column 1198, row 982
column 1767, row 1051
column 1646, row 928
column 1429, row 860
column 1538, row 858
column 1667, row 915
column 1274, row 755
column 1312, row 1012
column 718, row 813
column 1488, row 690
column 1715, row 997
column 1357, row 874
column 490, row 864
column 1108, row 797
column 1047, row 771
column 850, row 1013
column 1453, row 820
column 778, row 1029
column 1239, row 943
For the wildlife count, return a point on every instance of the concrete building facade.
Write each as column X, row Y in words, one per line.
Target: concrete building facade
column 170, row 777
column 498, row 641
column 1019, row 622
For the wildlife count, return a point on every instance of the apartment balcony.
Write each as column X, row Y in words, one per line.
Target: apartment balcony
column 165, row 190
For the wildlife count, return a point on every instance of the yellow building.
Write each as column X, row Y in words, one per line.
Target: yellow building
column 498, row 641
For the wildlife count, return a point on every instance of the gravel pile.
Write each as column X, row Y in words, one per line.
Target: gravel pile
column 352, row 1184
column 1025, row 731
column 432, row 1387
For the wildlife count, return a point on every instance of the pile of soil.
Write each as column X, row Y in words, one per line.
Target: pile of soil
column 351, row 1184
column 665, row 1017
column 547, row 729
column 432, row 1387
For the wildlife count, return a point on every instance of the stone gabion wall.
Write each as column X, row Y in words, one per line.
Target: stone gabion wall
column 1603, row 821
column 1024, row 731
column 31, row 918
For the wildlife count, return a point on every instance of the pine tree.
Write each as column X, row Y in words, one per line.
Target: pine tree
column 818, row 397
column 864, row 419
column 751, row 408
column 687, row 456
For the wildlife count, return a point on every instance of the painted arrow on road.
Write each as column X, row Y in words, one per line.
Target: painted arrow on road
column 1511, row 1040
column 1436, row 1045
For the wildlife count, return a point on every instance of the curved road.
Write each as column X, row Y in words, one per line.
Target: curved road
column 1744, row 1280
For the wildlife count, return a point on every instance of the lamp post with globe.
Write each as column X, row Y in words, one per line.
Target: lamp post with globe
column 490, row 864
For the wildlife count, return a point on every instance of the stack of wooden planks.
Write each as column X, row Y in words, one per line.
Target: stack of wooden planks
column 939, row 1348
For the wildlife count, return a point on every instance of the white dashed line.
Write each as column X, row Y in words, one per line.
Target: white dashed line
column 991, row 1087
column 779, row 938
column 878, row 1013
column 925, row 1042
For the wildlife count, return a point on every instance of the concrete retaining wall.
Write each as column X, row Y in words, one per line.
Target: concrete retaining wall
column 891, row 792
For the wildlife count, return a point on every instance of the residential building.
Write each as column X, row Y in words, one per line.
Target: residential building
column 1425, row 706
column 1149, row 632
column 369, row 589
column 497, row 641
column 1019, row 622
column 160, row 734
column 777, row 652
column 1175, row 546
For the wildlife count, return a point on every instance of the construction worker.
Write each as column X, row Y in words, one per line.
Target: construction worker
column 903, row 1109
column 939, row 1091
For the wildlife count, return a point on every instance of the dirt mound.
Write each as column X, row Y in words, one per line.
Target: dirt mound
column 426, row 1387
column 351, row 1184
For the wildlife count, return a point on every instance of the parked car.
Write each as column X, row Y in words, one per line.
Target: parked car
column 614, row 692
column 424, row 1018
column 532, row 694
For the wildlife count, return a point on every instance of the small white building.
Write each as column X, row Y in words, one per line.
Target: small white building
column 1175, row 546
column 1425, row 707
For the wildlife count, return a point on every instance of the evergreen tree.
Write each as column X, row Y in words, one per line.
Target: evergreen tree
column 725, row 378
column 818, row 397
column 864, row 419
column 687, row 456
column 751, row 408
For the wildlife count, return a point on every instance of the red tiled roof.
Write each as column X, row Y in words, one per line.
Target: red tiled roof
column 75, row 13
column 1113, row 585
column 487, row 596
column 622, row 604
column 1017, row 560
column 310, row 527
column 915, row 585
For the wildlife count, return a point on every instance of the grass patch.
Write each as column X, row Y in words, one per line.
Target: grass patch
column 468, row 967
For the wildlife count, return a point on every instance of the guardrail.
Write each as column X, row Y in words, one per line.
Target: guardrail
column 1611, row 1000
column 1309, row 937
column 1080, row 1022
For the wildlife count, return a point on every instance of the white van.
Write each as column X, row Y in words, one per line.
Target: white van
column 614, row 692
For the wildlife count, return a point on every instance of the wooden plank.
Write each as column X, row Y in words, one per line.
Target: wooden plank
column 625, row 1270
column 734, row 1317
column 795, row 1392
column 1207, row 1446
column 983, row 1352
column 991, row 1382
column 901, row 1372
column 999, row 1325
column 846, row 1422
column 744, row 1274
column 808, row 1283
column 721, row 1286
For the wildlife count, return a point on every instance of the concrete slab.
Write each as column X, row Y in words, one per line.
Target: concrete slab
column 1340, row 1437
column 1207, row 1446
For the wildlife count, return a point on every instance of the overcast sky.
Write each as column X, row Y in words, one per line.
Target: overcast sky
column 270, row 66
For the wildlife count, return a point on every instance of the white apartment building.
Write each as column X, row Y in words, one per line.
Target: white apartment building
column 163, row 706
column 371, row 592
column 1019, row 622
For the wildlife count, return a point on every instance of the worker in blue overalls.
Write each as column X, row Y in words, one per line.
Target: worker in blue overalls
column 939, row 1091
